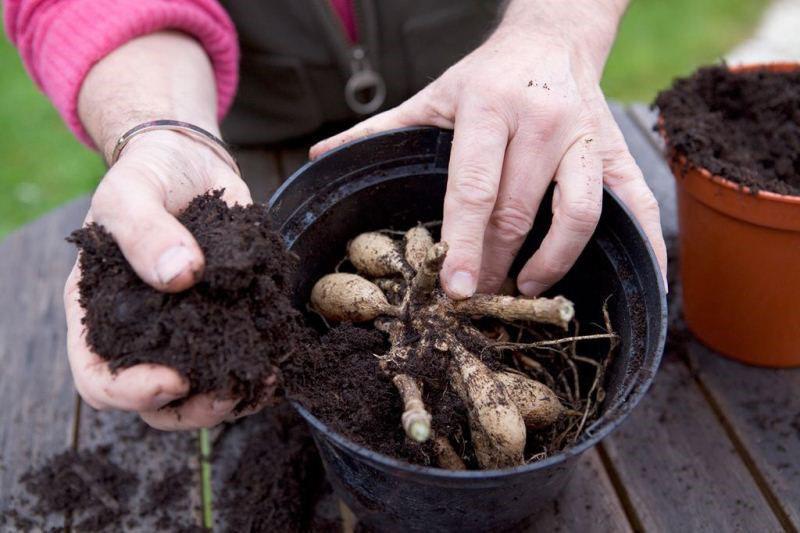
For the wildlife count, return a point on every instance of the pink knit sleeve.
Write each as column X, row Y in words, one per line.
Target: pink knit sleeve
column 59, row 41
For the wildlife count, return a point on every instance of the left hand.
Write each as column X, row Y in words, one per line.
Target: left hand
column 527, row 109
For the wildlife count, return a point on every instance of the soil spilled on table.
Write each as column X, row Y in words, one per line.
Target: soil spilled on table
column 271, row 479
column 743, row 126
column 237, row 320
column 87, row 484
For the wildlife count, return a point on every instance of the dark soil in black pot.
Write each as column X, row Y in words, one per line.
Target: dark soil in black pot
column 743, row 126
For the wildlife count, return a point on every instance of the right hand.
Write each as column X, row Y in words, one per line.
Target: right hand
column 158, row 174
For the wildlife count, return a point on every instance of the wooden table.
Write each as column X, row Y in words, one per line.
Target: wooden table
column 715, row 445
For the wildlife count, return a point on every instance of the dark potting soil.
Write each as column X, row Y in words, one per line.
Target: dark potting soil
column 225, row 333
column 742, row 126
column 340, row 381
column 86, row 483
column 276, row 483
column 278, row 479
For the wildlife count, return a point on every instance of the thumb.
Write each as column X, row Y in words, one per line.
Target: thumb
column 161, row 251
column 421, row 109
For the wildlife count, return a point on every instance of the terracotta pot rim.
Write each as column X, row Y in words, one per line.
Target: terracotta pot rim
column 718, row 180
column 732, row 185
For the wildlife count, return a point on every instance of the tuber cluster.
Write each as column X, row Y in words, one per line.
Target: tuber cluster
column 396, row 289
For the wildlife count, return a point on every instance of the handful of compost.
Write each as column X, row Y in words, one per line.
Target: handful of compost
column 397, row 289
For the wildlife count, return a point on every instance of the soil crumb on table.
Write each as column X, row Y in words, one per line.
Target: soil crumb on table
column 237, row 320
column 742, row 126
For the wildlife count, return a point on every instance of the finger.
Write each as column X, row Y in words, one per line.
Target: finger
column 235, row 189
column 161, row 251
column 527, row 172
column 199, row 411
column 140, row 387
column 423, row 109
column 476, row 162
column 579, row 181
column 624, row 177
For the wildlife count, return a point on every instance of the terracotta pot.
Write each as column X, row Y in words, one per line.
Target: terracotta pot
column 740, row 263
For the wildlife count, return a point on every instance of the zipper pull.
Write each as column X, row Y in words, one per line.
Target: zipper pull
column 365, row 91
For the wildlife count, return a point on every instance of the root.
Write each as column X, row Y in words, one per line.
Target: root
column 446, row 456
column 553, row 342
column 416, row 419
column 558, row 310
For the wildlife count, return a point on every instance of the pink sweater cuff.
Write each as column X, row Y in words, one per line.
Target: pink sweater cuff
column 60, row 41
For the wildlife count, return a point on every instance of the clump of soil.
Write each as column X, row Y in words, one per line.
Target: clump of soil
column 743, row 126
column 227, row 332
column 86, row 483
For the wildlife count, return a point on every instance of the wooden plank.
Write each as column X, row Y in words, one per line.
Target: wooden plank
column 679, row 469
column 292, row 159
column 260, row 171
column 588, row 503
column 655, row 170
column 761, row 407
column 38, row 402
column 156, row 457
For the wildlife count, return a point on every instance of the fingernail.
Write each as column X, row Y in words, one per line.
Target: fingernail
column 531, row 288
column 172, row 263
column 220, row 407
column 163, row 398
column 461, row 284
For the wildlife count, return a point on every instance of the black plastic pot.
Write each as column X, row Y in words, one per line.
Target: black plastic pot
column 396, row 179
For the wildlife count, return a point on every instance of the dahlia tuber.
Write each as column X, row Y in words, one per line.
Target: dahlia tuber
column 376, row 255
column 537, row 403
column 350, row 297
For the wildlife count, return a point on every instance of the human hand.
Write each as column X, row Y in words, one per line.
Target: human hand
column 527, row 109
column 159, row 173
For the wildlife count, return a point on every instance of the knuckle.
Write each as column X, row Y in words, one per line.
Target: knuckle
column 580, row 216
column 512, row 220
column 473, row 186
column 551, row 268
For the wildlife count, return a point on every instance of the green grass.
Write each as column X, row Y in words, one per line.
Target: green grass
column 661, row 39
column 42, row 165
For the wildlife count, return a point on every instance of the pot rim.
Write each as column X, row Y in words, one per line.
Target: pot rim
column 607, row 423
column 683, row 159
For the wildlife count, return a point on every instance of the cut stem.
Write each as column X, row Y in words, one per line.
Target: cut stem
column 205, row 478
column 416, row 419
column 558, row 310
column 425, row 281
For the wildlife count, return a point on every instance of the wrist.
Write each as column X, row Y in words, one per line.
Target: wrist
column 585, row 29
column 173, row 150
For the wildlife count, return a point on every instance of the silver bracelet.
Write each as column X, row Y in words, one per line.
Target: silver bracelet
column 196, row 132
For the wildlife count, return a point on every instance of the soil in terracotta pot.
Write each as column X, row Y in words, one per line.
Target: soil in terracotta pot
column 225, row 333
column 743, row 126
